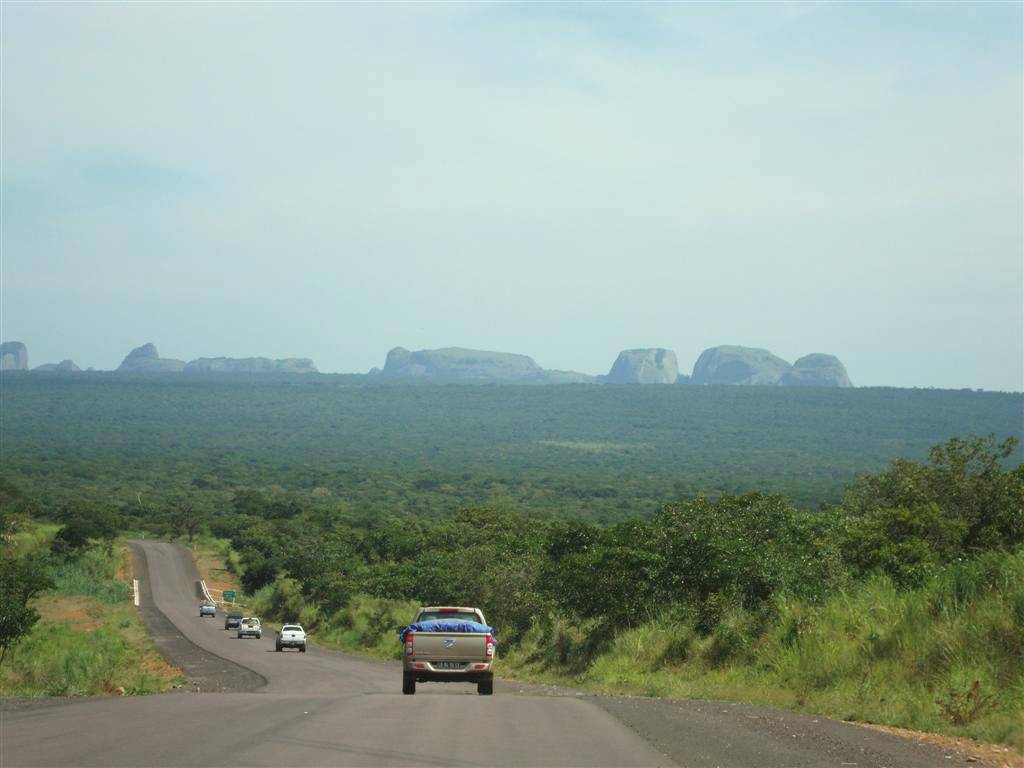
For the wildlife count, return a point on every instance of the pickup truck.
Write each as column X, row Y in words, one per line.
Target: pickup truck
column 249, row 626
column 291, row 636
column 447, row 657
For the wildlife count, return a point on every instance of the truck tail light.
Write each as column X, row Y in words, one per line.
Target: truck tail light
column 490, row 647
column 408, row 645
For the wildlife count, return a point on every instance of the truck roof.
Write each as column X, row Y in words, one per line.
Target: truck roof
column 446, row 608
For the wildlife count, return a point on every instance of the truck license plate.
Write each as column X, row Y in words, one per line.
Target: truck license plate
column 450, row 665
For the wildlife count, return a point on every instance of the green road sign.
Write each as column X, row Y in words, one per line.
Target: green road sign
column 229, row 594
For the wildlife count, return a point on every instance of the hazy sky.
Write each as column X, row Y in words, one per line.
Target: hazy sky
column 562, row 180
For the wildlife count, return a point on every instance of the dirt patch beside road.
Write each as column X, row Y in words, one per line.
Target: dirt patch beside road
column 212, row 569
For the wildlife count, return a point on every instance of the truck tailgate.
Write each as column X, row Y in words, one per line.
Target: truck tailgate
column 449, row 646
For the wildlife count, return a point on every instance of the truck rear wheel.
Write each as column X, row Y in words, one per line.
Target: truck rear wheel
column 303, row 648
column 408, row 683
column 485, row 687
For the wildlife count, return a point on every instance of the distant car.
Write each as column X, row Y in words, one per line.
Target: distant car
column 207, row 609
column 250, row 627
column 232, row 620
column 291, row 636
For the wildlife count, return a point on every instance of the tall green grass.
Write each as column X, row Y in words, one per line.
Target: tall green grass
column 114, row 654
column 56, row 660
column 946, row 657
column 92, row 574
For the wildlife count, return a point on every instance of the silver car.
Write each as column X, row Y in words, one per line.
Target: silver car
column 207, row 609
column 249, row 626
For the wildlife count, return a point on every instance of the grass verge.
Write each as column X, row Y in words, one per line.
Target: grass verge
column 90, row 639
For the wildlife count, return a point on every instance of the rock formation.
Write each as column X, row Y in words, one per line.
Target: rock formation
column 67, row 366
column 145, row 359
column 738, row 365
column 250, row 365
column 746, row 365
column 13, row 356
column 459, row 364
column 817, row 370
column 549, row 376
column 644, row 366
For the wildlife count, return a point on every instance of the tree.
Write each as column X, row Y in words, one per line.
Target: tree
column 21, row 580
column 15, row 509
column 905, row 543
column 186, row 520
column 83, row 522
column 966, row 479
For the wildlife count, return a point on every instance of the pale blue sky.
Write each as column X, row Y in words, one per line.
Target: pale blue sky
column 561, row 180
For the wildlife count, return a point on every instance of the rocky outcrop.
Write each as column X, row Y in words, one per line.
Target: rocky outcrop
column 66, row 366
column 146, row 359
column 817, row 370
column 644, row 366
column 739, row 365
column 13, row 356
column 250, row 365
column 459, row 363
column 548, row 376
column 747, row 365
column 465, row 365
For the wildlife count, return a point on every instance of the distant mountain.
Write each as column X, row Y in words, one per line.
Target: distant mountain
column 67, row 366
column 472, row 365
column 13, row 356
column 749, row 365
column 644, row 366
column 250, row 365
column 738, row 365
column 146, row 359
column 817, row 370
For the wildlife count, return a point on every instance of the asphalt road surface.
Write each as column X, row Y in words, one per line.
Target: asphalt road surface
column 247, row 705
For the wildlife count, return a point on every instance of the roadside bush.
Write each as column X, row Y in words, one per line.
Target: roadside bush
column 906, row 544
column 282, row 601
column 732, row 639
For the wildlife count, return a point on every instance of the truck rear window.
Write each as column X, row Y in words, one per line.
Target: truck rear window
column 448, row 616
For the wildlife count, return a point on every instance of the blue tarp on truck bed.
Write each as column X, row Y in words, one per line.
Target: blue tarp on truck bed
column 440, row 625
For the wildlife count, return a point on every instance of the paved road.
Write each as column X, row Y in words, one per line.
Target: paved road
column 328, row 709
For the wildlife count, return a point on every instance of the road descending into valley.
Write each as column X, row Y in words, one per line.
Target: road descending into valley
column 256, row 707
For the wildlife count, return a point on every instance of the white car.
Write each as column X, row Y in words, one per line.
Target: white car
column 249, row 626
column 291, row 636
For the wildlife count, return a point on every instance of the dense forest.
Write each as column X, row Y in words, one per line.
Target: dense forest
column 851, row 552
column 604, row 453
